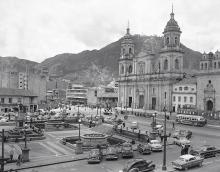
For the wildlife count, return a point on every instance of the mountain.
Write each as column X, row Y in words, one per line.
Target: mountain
column 101, row 66
column 16, row 64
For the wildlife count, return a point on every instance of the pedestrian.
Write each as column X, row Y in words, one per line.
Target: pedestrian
column 187, row 149
column 11, row 154
column 183, row 149
column 123, row 124
column 19, row 160
column 148, row 140
column 173, row 126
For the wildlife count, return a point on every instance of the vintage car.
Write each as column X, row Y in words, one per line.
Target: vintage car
column 95, row 156
column 127, row 150
column 155, row 145
column 138, row 165
column 181, row 141
column 187, row 161
column 182, row 133
column 144, row 148
column 205, row 151
column 111, row 153
column 134, row 125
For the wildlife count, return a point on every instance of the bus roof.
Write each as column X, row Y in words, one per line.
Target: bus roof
column 194, row 116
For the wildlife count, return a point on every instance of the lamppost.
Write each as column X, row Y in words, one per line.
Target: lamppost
column 164, row 168
column 79, row 120
column 25, row 150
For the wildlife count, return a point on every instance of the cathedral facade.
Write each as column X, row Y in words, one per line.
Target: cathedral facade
column 146, row 80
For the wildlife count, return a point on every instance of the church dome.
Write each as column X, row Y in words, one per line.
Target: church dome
column 172, row 25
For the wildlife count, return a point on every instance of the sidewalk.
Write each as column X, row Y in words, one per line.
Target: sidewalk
column 46, row 161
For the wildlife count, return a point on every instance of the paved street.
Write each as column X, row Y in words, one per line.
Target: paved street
column 51, row 148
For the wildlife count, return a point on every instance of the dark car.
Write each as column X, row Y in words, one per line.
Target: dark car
column 138, row 165
column 182, row 133
column 95, row 156
column 127, row 150
column 205, row 151
column 144, row 148
column 111, row 153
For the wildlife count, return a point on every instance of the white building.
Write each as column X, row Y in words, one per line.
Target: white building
column 184, row 94
column 76, row 94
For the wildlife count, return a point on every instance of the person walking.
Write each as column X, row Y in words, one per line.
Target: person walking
column 183, row 149
column 19, row 160
column 11, row 153
column 173, row 125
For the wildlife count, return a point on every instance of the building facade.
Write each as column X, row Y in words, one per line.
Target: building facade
column 184, row 94
column 76, row 94
column 146, row 81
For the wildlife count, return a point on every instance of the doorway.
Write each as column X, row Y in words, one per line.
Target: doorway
column 141, row 101
column 129, row 101
column 154, row 101
column 209, row 105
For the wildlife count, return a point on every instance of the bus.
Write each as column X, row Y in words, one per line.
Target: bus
column 194, row 120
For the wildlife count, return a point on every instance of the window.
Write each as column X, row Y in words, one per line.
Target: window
column 174, row 98
column 165, row 95
column 191, row 99
column 179, row 99
column 141, row 67
column 19, row 100
column 176, row 64
column 167, row 40
column 130, row 51
column 201, row 66
column 153, row 90
column 206, row 66
column 180, row 88
column 130, row 69
column 214, row 65
column 218, row 64
column 176, row 40
column 185, row 99
column 165, row 66
column 185, row 88
column 175, row 89
column 2, row 100
column 123, row 51
column 9, row 100
column 122, row 69
column 192, row 89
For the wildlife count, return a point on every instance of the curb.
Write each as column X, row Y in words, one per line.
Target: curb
column 48, row 164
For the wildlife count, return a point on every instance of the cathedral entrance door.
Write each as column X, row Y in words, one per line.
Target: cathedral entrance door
column 154, row 100
column 130, row 101
column 209, row 105
column 141, row 101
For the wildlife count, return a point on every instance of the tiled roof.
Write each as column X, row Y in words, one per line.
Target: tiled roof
column 16, row 92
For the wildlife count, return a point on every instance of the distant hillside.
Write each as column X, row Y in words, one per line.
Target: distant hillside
column 16, row 64
column 100, row 66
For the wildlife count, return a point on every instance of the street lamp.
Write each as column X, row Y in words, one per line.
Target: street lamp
column 79, row 128
column 164, row 168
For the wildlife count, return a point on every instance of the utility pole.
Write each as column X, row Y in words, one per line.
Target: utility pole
column 164, row 168
column 2, row 160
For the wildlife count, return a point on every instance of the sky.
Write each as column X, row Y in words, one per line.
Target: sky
column 39, row 29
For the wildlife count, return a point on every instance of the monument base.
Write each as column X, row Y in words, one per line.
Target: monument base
column 25, row 154
column 79, row 149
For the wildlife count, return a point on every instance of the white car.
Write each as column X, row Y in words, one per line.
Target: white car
column 181, row 141
column 3, row 119
column 134, row 125
column 155, row 145
column 187, row 161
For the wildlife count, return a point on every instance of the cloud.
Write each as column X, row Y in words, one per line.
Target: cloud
column 39, row 29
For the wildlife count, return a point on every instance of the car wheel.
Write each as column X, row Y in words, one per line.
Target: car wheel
column 185, row 168
column 134, row 170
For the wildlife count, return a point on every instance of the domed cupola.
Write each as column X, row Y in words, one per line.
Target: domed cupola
column 127, row 45
column 172, row 32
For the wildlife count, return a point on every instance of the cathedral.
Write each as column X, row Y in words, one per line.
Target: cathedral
column 145, row 80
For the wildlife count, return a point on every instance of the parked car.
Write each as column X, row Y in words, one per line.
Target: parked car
column 182, row 133
column 155, row 145
column 187, row 161
column 144, row 148
column 111, row 153
column 205, row 151
column 95, row 156
column 134, row 125
column 181, row 141
column 127, row 150
column 138, row 165
column 3, row 119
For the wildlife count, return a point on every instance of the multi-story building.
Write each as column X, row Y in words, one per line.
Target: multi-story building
column 184, row 94
column 146, row 80
column 76, row 94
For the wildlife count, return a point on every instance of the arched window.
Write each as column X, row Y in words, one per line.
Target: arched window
column 219, row 65
column 206, row 66
column 130, row 51
column 141, row 66
column 130, row 69
column 201, row 66
column 176, row 40
column 215, row 65
column 177, row 64
column 122, row 69
column 123, row 51
column 167, row 40
column 165, row 66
